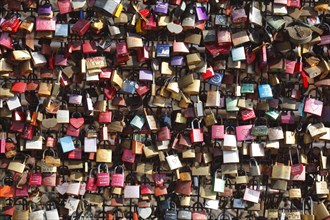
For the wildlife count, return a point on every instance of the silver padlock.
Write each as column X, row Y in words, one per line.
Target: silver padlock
column 254, row 168
column 199, row 110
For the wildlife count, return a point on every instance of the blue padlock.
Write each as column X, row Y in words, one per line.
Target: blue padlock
column 129, row 86
column 216, row 79
column 265, row 91
column 137, row 122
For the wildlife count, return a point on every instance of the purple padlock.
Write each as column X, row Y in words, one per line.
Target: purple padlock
column 45, row 9
column 161, row 7
column 201, row 13
column 177, row 61
column 145, row 75
column 287, row 117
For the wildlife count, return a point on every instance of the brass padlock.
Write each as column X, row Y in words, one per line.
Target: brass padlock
column 180, row 118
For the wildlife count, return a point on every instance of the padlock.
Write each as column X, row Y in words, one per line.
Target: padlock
column 91, row 182
column 118, row 177
column 254, row 168
column 218, row 185
column 35, row 178
column 321, row 211
column 103, row 179
column 229, row 140
column 196, row 134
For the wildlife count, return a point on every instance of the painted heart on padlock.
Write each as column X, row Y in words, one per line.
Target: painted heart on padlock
column 144, row 212
column 77, row 122
column 297, row 169
column 159, row 179
column 174, row 160
column 49, row 122
column 315, row 105
column 61, row 189
column 250, row 57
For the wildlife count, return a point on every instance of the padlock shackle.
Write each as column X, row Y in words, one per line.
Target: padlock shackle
column 224, row 214
column 116, row 168
column 318, row 94
column 253, row 160
column 90, row 172
column 230, row 127
column 198, row 206
column 49, row 149
column 99, row 168
column 260, row 119
column 192, row 123
column 311, row 202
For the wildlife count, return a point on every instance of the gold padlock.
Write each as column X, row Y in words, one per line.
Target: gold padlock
column 210, row 119
column 180, row 118
column 97, row 25
column 184, row 102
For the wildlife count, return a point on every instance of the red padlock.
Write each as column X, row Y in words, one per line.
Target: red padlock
column 145, row 12
column 81, row 27
column 35, row 179
column 103, row 179
column 10, row 25
column 299, row 66
column 105, row 73
column 91, row 182
column 142, row 53
column 209, row 73
column 248, row 114
column 76, row 153
column 142, row 89
column 19, row 116
column 27, row 132
column 118, row 178
column 105, row 117
column 196, row 134
column 109, row 92
column 18, row 87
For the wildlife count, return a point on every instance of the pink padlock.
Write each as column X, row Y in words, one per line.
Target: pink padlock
column 164, row 134
column 22, row 192
column 49, row 179
column 218, row 131
column 91, row 182
column 118, row 178
column 196, row 134
column 2, row 144
column 314, row 105
column 50, row 141
column 103, row 179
